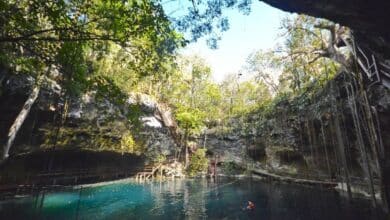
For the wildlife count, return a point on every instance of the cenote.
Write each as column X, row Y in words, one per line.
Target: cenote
column 189, row 199
column 195, row 109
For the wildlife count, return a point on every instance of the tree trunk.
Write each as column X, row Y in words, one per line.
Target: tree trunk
column 186, row 155
column 21, row 117
column 187, row 159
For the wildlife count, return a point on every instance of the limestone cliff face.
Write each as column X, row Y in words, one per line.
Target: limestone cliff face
column 87, row 122
column 340, row 133
column 369, row 21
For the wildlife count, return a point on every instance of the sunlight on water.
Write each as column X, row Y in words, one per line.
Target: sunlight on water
column 188, row 199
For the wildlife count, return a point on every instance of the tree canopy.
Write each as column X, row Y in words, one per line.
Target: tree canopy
column 119, row 47
column 62, row 32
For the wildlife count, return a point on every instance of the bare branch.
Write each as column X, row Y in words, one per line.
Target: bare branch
column 315, row 59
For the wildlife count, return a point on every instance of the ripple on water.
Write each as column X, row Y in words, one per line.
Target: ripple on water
column 189, row 199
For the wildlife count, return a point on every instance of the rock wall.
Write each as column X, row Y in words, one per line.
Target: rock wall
column 88, row 122
column 339, row 133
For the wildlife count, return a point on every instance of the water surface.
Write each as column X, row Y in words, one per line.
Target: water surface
column 189, row 199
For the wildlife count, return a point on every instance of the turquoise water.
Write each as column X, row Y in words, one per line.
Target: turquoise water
column 189, row 199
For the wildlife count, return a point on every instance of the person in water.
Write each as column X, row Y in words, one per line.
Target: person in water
column 250, row 206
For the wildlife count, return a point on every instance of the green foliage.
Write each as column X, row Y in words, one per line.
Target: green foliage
column 129, row 145
column 160, row 158
column 264, row 65
column 199, row 102
column 94, row 21
column 93, row 45
column 133, row 115
column 118, row 47
column 190, row 119
column 195, row 98
column 268, row 109
column 304, row 65
column 303, row 62
column 207, row 18
column 74, row 68
column 106, row 89
column 307, row 61
column 242, row 97
column 198, row 162
column 78, row 37
column 231, row 168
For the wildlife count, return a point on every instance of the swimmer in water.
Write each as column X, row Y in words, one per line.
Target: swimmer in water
column 250, row 206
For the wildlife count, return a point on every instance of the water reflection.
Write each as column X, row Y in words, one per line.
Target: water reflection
column 189, row 199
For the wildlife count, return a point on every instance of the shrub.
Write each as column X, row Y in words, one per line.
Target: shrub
column 198, row 162
column 231, row 168
column 160, row 158
column 129, row 145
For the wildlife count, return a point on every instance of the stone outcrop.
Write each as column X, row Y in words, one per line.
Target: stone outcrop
column 88, row 122
column 333, row 135
column 368, row 19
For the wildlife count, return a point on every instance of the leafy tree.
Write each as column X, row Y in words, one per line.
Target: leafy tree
column 311, row 52
column 191, row 120
column 264, row 65
column 67, row 21
column 207, row 18
column 191, row 87
column 40, row 38
column 129, row 145
column 199, row 162
column 242, row 96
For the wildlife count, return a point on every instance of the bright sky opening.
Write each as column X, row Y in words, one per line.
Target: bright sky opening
column 246, row 34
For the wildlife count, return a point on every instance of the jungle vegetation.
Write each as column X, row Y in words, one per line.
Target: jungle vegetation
column 119, row 47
